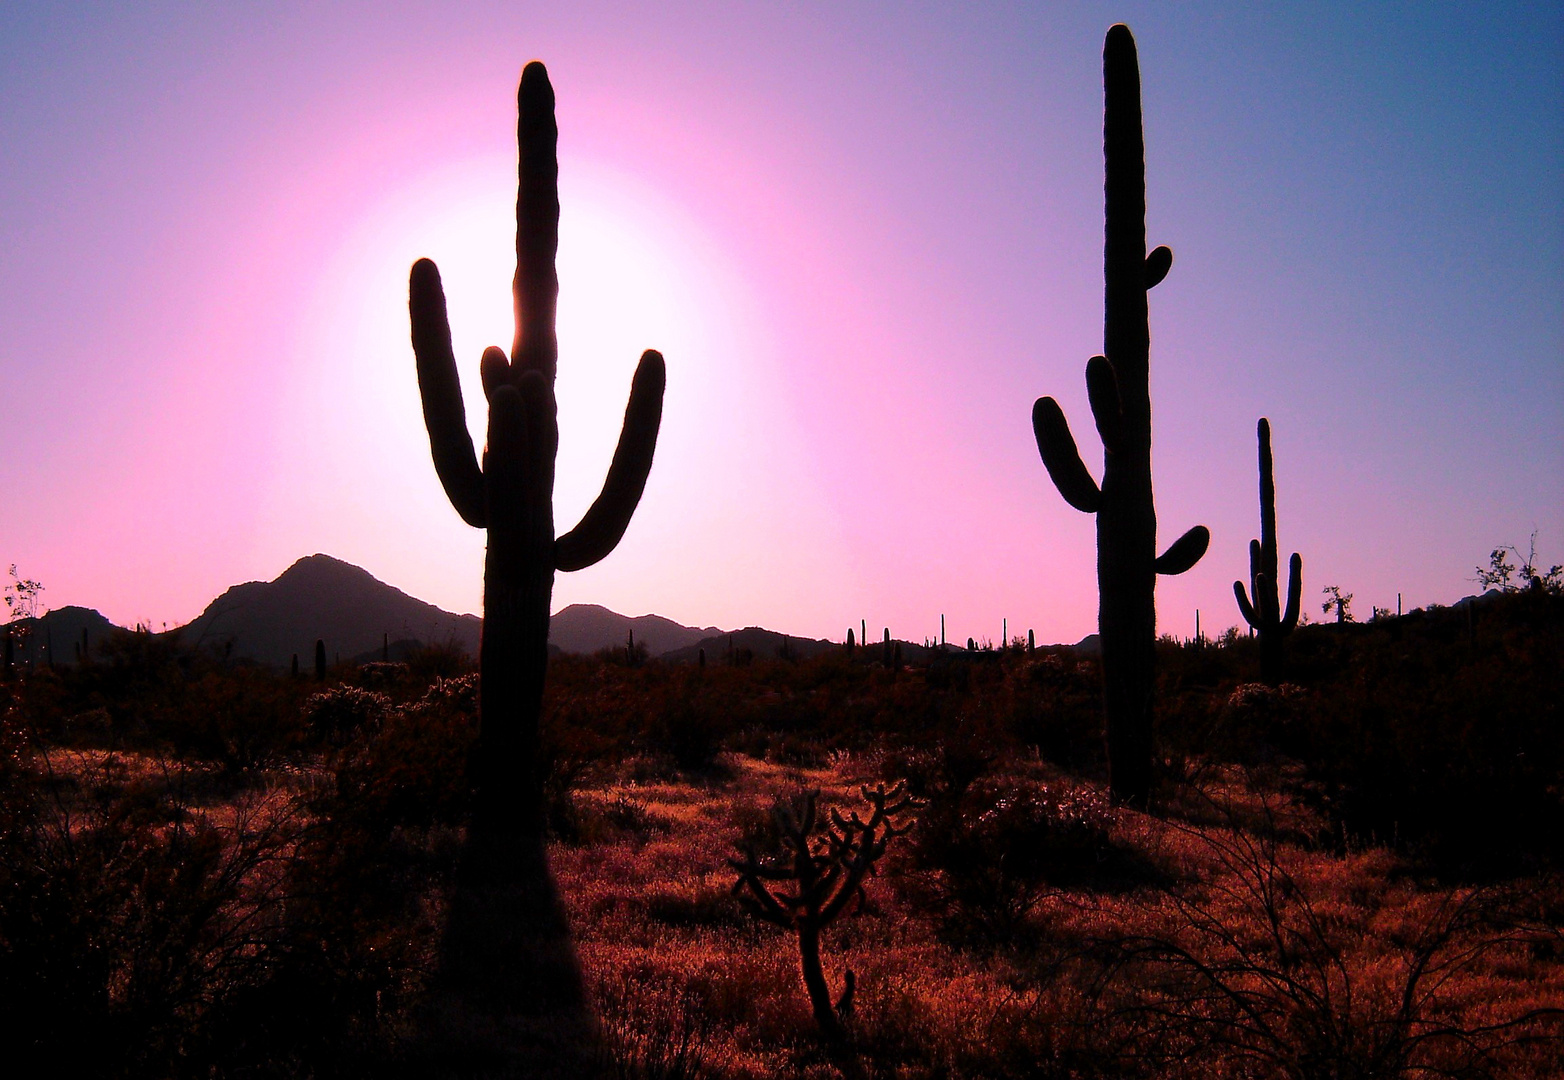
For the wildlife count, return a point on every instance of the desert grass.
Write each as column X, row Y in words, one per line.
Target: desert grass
column 1244, row 954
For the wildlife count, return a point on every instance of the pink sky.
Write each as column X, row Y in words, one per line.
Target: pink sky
column 864, row 242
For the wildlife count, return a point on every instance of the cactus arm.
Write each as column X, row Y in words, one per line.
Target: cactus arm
column 1265, row 602
column 1245, row 608
column 1158, row 263
column 760, row 902
column 493, row 370
column 1254, row 572
column 1294, row 592
column 1063, row 460
column 1102, row 391
column 604, row 524
column 1185, row 552
column 440, row 388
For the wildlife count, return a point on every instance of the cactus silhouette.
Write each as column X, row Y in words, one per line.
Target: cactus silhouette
column 818, row 871
column 511, row 494
column 1264, row 611
column 1118, row 387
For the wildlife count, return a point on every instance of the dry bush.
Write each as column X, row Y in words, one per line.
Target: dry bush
column 130, row 913
column 1269, row 961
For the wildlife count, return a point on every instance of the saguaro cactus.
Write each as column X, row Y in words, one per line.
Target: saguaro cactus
column 1264, row 613
column 1118, row 386
column 512, row 493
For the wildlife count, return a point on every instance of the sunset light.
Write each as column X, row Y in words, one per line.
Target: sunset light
column 716, row 541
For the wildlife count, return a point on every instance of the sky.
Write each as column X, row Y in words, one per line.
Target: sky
column 866, row 237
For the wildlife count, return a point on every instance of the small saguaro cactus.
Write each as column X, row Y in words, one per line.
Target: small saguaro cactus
column 820, row 869
column 512, row 493
column 1118, row 387
column 1261, row 608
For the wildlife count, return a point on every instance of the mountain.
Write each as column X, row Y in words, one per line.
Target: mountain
column 356, row 615
column 759, row 641
column 59, row 631
column 322, row 598
column 586, row 628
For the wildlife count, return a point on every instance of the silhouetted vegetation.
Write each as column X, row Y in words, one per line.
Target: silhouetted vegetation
column 1261, row 607
column 1384, row 828
column 1118, row 384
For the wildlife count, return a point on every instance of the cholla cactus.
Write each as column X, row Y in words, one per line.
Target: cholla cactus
column 819, row 871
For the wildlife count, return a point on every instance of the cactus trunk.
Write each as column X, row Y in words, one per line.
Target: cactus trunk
column 1118, row 386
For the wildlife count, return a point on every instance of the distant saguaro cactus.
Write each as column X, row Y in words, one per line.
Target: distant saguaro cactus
column 512, row 493
column 1118, row 387
column 1264, row 612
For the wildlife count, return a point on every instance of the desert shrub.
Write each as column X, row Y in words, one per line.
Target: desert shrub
column 403, row 767
column 243, row 719
column 983, row 861
column 381, row 674
column 1451, row 745
column 427, row 663
column 693, row 736
column 131, row 922
column 1255, row 967
column 342, row 713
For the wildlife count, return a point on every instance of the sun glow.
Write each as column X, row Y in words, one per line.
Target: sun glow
column 633, row 275
column 620, row 294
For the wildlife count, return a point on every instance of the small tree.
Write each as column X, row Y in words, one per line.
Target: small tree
column 21, row 600
column 1501, row 572
column 1342, row 602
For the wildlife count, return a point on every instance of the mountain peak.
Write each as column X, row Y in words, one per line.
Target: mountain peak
column 317, row 566
column 323, row 598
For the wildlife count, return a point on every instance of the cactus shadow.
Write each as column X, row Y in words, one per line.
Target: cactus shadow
column 509, row 997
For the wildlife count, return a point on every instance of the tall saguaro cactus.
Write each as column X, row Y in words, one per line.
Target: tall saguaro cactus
column 1118, row 386
column 1264, row 612
column 512, row 493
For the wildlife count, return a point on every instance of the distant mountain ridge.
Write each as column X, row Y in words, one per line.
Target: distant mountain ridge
column 355, row 614
column 323, row 598
column 586, row 628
